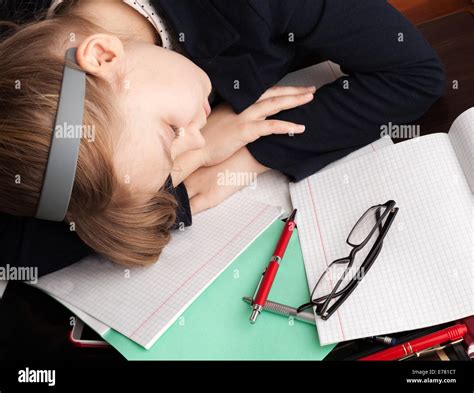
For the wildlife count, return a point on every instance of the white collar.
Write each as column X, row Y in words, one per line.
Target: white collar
column 146, row 9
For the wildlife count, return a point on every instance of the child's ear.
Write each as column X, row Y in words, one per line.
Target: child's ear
column 99, row 54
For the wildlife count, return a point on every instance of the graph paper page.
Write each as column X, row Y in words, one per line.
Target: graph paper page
column 142, row 302
column 423, row 275
column 461, row 135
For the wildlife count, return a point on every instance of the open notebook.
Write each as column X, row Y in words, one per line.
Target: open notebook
column 424, row 273
column 142, row 302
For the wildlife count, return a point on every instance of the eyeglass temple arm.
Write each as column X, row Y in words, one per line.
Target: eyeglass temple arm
column 370, row 259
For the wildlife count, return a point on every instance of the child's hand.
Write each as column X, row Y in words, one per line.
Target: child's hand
column 209, row 186
column 226, row 132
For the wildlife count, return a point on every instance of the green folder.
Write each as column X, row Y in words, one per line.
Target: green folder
column 216, row 325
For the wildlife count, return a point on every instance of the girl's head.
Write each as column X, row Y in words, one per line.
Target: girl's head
column 137, row 95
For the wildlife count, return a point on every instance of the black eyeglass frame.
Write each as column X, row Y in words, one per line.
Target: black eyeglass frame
column 322, row 309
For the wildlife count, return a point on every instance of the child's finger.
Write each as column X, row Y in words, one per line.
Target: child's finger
column 267, row 127
column 286, row 91
column 273, row 105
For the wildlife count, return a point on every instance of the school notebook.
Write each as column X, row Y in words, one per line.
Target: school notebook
column 142, row 302
column 424, row 273
column 216, row 326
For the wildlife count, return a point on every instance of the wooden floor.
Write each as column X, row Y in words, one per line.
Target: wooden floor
column 419, row 11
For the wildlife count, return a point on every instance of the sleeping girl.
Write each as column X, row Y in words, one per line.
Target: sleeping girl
column 179, row 91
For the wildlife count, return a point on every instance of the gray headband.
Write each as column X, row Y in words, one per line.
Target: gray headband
column 64, row 150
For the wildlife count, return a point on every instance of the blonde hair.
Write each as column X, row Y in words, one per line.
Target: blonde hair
column 106, row 215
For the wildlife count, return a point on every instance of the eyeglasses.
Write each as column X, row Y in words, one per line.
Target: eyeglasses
column 347, row 272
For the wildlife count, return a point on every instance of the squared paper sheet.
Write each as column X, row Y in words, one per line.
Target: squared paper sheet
column 424, row 273
column 463, row 144
column 144, row 304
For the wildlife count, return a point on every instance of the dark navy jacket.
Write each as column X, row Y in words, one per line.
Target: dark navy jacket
column 393, row 76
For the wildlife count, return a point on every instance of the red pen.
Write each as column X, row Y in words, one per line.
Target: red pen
column 266, row 281
column 449, row 335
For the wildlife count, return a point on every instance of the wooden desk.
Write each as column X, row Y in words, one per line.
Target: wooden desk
column 453, row 39
column 419, row 11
